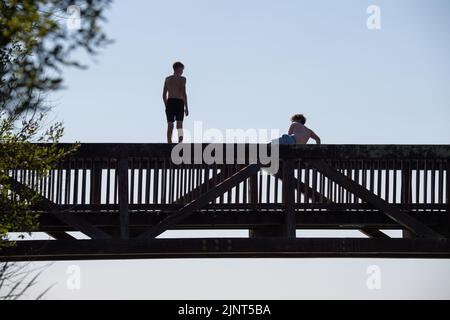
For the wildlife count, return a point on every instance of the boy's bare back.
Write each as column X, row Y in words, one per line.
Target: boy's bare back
column 302, row 133
column 175, row 86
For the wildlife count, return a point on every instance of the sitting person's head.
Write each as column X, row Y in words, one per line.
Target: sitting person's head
column 298, row 118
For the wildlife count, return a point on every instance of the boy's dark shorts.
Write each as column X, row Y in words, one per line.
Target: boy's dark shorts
column 175, row 110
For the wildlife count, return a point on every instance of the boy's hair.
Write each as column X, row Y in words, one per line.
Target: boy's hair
column 177, row 65
column 298, row 118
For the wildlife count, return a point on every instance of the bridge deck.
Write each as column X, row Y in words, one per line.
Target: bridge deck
column 124, row 196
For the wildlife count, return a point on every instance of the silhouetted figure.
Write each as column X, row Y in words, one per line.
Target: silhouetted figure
column 175, row 101
column 298, row 133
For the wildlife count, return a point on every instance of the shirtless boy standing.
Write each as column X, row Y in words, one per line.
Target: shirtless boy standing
column 175, row 101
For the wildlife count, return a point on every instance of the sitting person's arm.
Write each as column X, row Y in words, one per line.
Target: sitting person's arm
column 291, row 129
column 314, row 136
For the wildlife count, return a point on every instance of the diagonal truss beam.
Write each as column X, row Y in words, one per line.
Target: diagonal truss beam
column 68, row 218
column 374, row 233
column 60, row 235
column 404, row 219
column 200, row 202
column 303, row 188
column 306, row 190
column 207, row 185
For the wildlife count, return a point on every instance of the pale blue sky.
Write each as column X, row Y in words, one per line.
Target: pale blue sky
column 251, row 64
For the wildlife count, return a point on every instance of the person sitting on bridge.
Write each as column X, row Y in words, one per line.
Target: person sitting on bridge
column 298, row 133
column 175, row 101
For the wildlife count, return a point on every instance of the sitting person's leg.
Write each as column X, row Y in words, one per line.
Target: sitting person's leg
column 285, row 139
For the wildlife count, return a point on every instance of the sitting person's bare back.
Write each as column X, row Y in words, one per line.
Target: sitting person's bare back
column 298, row 133
column 301, row 132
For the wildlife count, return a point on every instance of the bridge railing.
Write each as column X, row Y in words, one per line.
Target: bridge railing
column 99, row 177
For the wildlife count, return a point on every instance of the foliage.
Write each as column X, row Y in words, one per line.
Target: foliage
column 35, row 43
column 19, row 153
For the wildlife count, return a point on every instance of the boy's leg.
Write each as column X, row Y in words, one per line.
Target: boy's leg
column 169, row 132
column 180, row 131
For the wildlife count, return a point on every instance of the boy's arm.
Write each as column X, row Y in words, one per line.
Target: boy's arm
column 291, row 129
column 314, row 136
column 186, row 111
column 165, row 90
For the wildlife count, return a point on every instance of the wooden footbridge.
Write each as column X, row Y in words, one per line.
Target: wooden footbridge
column 123, row 197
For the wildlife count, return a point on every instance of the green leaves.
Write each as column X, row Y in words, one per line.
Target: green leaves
column 18, row 152
column 35, row 43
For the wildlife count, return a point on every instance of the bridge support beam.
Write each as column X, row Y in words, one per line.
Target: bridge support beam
column 447, row 197
column 289, row 199
column 226, row 248
column 288, row 227
column 406, row 192
column 124, row 215
column 253, row 199
column 96, row 182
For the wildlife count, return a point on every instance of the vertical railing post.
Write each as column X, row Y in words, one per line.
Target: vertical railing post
column 253, row 191
column 406, row 190
column 253, row 199
column 406, row 196
column 289, row 198
column 447, row 195
column 96, row 182
column 123, row 198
